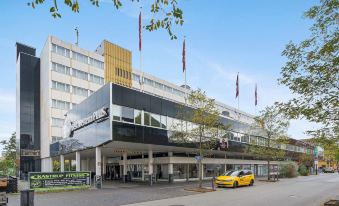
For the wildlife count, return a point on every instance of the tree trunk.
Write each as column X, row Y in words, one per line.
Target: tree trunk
column 268, row 170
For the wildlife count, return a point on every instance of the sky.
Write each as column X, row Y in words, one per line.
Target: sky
column 223, row 37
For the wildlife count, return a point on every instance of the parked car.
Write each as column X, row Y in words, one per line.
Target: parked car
column 328, row 170
column 235, row 178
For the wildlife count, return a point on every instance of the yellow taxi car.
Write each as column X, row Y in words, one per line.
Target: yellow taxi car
column 235, row 178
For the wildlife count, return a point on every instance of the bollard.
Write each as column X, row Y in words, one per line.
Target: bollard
column 213, row 180
column 27, row 198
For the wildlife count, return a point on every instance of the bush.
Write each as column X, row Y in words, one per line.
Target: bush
column 303, row 171
column 288, row 170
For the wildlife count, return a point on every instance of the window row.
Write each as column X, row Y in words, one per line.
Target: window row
column 130, row 115
column 77, row 56
column 57, row 122
column 122, row 73
column 77, row 73
column 61, row 50
column 67, row 88
column 158, row 85
column 58, row 104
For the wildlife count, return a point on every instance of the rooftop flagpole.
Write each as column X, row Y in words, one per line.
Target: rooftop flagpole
column 256, row 99
column 184, row 66
column 141, row 81
column 237, row 95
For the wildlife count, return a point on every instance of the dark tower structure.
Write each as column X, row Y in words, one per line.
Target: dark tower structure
column 28, row 108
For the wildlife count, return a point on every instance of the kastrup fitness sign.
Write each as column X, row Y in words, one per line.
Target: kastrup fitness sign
column 39, row 180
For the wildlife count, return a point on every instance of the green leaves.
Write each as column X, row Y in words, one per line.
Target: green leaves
column 166, row 14
column 312, row 71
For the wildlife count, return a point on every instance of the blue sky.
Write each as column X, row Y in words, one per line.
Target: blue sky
column 223, row 37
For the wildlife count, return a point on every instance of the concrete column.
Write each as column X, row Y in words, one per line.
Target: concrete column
column 83, row 165
column 170, row 168
column 225, row 167
column 62, row 163
column 150, row 166
column 124, row 166
column 87, row 164
column 142, row 168
column 104, row 162
column 98, row 178
column 188, row 172
column 77, row 161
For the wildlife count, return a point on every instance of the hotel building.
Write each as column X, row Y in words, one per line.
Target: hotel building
column 90, row 107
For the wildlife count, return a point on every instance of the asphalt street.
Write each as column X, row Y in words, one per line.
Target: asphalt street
column 308, row 191
column 301, row 191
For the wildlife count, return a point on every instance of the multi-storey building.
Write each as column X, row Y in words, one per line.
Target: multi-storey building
column 66, row 76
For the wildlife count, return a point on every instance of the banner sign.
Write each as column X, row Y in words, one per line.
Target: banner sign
column 39, row 180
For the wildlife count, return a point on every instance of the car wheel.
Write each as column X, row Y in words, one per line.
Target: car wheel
column 251, row 183
column 235, row 184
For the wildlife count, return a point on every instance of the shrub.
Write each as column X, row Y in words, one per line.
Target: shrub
column 288, row 170
column 303, row 171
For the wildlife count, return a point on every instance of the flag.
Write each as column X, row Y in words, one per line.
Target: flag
column 140, row 31
column 256, row 95
column 183, row 57
column 237, row 87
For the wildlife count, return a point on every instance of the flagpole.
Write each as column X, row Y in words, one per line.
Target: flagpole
column 141, row 81
column 238, row 104
column 184, row 66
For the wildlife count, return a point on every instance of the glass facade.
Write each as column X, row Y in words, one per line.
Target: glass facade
column 28, row 98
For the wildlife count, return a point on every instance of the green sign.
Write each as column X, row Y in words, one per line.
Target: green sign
column 40, row 180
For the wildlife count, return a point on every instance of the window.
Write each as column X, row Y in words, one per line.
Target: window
column 96, row 63
column 155, row 120
column 116, row 113
column 55, row 139
column 60, row 86
column 254, row 140
column 168, row 89
column 158, row 85
column 56, row 122
column 79, row 74
column 136, row 77
column 163, row 122
column 58, row 104
column 149, row 82
column 245, row 139
column 127, row 114
column 60, row 50
column 96, row 79
column 179, row 93
column 146, row 118
column 137, row 116
column 169, row 123
column 60, row 68
column 80, row 57
column 80, row 91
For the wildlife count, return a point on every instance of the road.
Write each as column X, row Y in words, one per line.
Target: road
column 301, row 191
column 308, row 191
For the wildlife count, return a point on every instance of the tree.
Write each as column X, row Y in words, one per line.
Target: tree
column 8, row 165
column 205, row 129
column 165, row 12
column 10, row 147
column 312, row 72
column 273, row 125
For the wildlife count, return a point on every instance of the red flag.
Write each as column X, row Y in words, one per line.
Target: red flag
column 183, row 57
column 237, row 87
column 140, row 31
column 256, row 95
